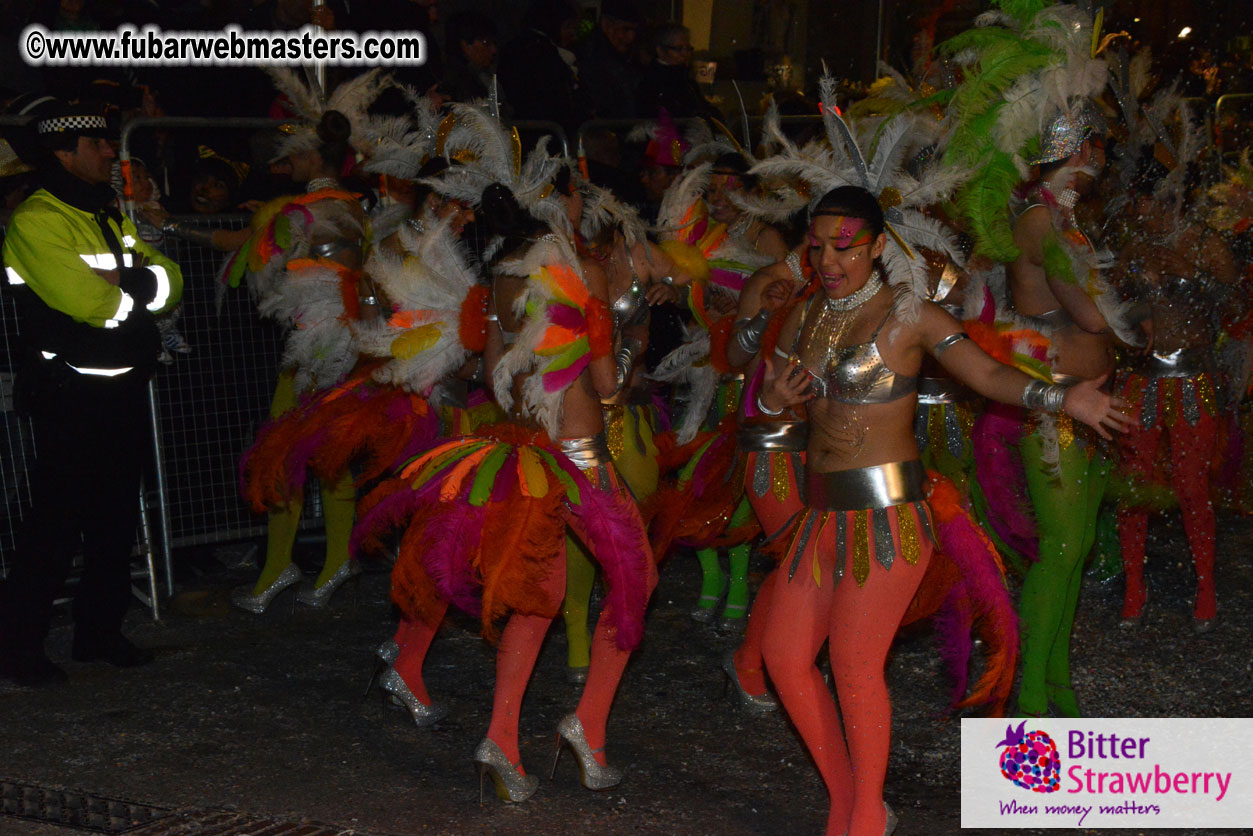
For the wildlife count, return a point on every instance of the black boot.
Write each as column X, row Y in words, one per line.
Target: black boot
column 115, row 649
column 31, row 670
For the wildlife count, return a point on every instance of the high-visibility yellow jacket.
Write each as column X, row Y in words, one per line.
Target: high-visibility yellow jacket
column 76, row 316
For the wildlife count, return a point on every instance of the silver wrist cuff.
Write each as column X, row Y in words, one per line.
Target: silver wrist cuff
column 1043, row 397
column 750, row 331
column 761, row 407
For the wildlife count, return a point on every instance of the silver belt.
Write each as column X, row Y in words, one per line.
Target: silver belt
column 773, row 437
column 881, row 486
column 937, row 390
column 1182, row 362
column 587, row 452
column 327, row 249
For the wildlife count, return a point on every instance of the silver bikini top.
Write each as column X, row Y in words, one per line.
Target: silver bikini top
column 850, row 374
column 631, row 308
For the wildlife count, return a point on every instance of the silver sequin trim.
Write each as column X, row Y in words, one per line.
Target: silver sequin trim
column 802, row 541
column 761, row 475
column 884, row 548
column 1187, row 394
column 1148, row 410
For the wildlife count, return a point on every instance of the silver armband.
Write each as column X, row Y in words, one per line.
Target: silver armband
column 749, row 332
column 948, row 342
column 1043, row 397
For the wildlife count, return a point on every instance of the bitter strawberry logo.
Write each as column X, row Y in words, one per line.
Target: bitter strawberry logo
column 1030, row 759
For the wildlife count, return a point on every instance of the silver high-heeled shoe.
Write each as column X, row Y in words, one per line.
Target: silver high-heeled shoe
column 243, row 597
column 511, row 785
column 319, row 596
column 705, row 614
column 890, row 826
column 388, row 652
column 733, row 623
column 751, row 703
column 595, row 777
column 422, row 714
column 385, row 655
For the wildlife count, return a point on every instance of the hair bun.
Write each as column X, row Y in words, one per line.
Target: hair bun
column 500, row 210
column 334, row 128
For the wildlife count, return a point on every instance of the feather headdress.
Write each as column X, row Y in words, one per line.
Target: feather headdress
column 492, row 154
column 871, row 154
column 352, row 98
column 1160, row 125
column 401, row 145
column 602, row 209
column 1031, row 73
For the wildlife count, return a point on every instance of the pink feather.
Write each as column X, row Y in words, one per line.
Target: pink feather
column 953, row 622
column 560, row 379
column 610, row 526
column 565, row 316
column 984, row 600
column 453, row 537
column 1003, row 481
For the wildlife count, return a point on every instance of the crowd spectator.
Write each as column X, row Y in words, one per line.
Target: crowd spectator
column 537, row 67
column 471, row 39
column 609, row 75
column 215, row 183
column 668, row 82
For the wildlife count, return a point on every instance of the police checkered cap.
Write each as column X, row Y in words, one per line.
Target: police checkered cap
column 72, row 124
column 71, row 119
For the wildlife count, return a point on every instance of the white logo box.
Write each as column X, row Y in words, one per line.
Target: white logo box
column 1114, row 773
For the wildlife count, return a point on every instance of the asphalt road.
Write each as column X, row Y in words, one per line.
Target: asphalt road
column 267, row 717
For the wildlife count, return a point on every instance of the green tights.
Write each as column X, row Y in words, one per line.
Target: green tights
column 1067, row 505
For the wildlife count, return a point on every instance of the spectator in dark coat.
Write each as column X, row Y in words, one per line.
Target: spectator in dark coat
column 471, row 42
column 668, row 81
column 536, row 67
column 609, row 76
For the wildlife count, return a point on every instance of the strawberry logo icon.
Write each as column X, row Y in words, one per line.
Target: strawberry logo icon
column 1030, row 759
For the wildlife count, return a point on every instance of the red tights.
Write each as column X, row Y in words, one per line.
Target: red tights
column 860, row 623
column 515, row 659
column 1191, row 451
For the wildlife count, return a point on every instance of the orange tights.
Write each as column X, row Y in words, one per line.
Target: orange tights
column 860, row 623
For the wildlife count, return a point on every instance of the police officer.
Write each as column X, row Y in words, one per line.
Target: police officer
column 86, row 291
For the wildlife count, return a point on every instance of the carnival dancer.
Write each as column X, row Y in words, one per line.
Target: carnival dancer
column 720, row 259
column 303, row 264
column 1054, row 283
column 497, row 504
column 965, row 582
column 1185, row 272
column 775, row 454
column 640, row 275
column 1231, row 214
column 854, row 351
